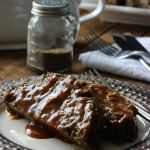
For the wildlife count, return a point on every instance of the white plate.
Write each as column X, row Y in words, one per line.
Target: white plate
column 13, row 131
column 121, row 14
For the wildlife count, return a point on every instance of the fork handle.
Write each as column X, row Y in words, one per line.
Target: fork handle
column 144, row 63
column 143, row 113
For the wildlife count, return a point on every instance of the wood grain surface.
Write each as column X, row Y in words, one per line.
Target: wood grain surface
column 13, row 62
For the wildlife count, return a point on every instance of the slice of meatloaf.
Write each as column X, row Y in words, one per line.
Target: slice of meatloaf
column 119, row 113
column 59, row 103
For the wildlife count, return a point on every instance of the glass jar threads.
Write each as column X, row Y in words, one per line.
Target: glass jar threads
column 50, row 36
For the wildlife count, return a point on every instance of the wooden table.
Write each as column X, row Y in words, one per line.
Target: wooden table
column 13, row 63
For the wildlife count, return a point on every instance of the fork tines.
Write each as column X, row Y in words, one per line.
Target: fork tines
column 100, row 44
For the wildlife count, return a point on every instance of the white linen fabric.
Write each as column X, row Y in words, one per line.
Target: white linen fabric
column 125, row 67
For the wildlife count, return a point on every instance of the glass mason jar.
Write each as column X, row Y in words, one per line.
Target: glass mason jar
column 51, row 36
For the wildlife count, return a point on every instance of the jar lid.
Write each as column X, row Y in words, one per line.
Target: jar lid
column 50, row 7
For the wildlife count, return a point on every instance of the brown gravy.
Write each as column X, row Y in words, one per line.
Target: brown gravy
column 111, row 101
column 38, row 132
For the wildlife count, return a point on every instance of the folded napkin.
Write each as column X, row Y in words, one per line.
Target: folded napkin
column 125, row 67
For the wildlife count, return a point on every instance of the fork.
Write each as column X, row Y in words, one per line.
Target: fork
column 112, row 51
column 141, row 111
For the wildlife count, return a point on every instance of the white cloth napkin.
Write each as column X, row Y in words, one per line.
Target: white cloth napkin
column 125, row 67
